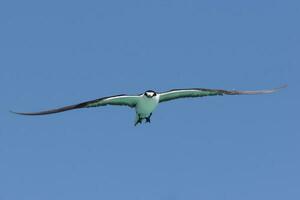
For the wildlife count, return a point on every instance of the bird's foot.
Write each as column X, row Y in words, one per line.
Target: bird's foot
column 148, row 120
column 139, row 121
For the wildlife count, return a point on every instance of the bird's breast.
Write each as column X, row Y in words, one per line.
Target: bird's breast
column 146, row 105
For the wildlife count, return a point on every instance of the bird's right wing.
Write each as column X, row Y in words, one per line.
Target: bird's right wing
column 119, row 100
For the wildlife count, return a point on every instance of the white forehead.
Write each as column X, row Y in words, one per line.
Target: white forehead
column 150, row 93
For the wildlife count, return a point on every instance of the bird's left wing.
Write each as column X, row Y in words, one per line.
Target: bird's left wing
column 201, row 92
column 119, row 100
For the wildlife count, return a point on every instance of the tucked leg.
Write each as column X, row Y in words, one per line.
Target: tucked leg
column 138, row 120
column 148, row 120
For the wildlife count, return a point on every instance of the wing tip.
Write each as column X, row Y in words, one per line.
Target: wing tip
column 280, row 87
column 19, row 113
column 283, row 86
column 13, row 112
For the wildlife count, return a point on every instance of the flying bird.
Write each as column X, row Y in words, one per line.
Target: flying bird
column 145, row 103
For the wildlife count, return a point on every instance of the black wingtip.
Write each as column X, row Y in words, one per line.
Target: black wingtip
column 280, row 87
column 283, row 86
column 13, row 112
column 18, row 113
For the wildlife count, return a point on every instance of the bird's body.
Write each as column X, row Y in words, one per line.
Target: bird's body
column 146, row 103
column 145, row 106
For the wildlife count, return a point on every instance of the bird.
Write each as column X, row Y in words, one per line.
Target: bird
column 145, row 103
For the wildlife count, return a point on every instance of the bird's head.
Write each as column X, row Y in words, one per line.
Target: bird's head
column 150, row 93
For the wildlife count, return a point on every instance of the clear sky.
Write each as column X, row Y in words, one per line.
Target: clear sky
column 55, row 53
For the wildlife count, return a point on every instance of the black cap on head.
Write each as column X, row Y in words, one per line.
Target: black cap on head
column 150, row 93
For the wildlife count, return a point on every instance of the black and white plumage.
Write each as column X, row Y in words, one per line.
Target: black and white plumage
column 146, row 103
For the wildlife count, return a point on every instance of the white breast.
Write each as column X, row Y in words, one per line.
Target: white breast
column 146, row 105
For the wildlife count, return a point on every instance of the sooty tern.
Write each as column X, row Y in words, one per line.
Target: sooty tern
column 145, row 103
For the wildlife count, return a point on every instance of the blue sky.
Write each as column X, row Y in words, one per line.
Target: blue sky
column 55, row 53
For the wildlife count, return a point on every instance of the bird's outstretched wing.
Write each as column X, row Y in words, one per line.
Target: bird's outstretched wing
column 120, row 100
column 201, row 92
